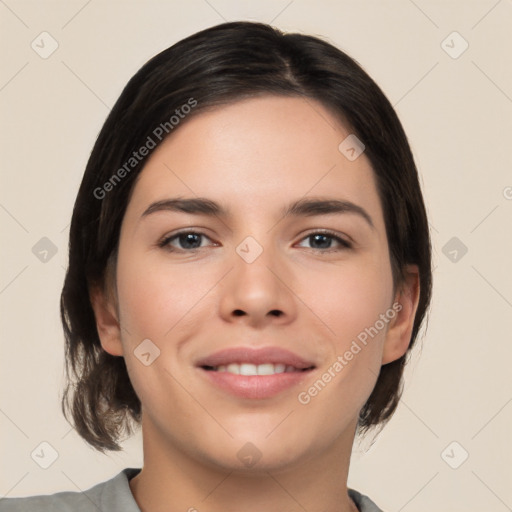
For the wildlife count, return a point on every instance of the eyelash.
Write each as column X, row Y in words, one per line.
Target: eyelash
column 164, row 243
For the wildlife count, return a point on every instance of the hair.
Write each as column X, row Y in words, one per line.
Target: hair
column 214, row 67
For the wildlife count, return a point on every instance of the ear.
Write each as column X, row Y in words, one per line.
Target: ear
column 107, row 322
column 398, row 336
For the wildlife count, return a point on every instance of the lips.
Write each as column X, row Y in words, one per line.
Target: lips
column 249, row 369
column 250, row 373
column 247, row 358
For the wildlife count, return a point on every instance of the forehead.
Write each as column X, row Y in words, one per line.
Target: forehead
column 259, row 151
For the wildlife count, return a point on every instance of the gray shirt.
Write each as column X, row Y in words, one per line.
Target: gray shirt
column 114, row 495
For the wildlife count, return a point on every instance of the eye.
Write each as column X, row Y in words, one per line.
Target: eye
column 185, row 241
column 188, row 241
column 322, row 241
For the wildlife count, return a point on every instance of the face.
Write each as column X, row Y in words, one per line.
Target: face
column 247, row 283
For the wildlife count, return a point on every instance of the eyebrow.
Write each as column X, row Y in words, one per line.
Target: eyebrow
column 305, row 207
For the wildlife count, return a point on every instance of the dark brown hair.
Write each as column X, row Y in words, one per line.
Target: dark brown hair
column 218, row 66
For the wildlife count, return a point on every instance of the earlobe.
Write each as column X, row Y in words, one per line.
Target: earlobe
column 398, row 336
column 107, row 322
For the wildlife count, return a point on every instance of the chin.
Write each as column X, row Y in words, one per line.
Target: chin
column 254, row 455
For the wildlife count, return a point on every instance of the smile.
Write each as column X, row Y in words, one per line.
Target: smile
column 255, row 373
column 249, row 369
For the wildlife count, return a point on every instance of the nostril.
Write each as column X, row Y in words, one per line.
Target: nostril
column 238, row 312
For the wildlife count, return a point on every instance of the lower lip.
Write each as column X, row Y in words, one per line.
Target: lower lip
column 255, row 386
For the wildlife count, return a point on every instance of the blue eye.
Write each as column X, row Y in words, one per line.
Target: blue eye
column 323, row 241
column 189, row 241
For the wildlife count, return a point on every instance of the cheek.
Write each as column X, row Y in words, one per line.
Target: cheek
column 351, row 303
column 157, row 303
column 157, row 298
column 350, row 299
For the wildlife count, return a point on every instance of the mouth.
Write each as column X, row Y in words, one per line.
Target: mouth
column 249, row 369
column 255, row 373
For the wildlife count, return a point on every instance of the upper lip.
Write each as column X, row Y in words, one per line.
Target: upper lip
column 272, row 355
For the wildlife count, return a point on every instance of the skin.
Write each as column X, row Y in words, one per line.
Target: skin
column 253, row 157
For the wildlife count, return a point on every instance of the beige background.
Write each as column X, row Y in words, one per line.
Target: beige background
column 458, row 116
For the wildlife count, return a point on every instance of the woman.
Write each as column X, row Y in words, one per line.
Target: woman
column 249, row 266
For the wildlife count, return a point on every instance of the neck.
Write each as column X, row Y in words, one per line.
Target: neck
column 171, row 481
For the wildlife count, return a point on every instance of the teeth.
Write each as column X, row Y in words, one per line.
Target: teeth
column 249, row 369
column 279, row 368
column 233, row 368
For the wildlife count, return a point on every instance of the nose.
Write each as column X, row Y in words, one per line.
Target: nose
column 258, row 292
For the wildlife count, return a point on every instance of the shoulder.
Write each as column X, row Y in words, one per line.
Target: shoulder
column 112, row 496
column 59, row 502
column 363, row 503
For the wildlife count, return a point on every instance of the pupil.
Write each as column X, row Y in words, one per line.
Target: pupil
column 326, row 240
column 188, row 238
